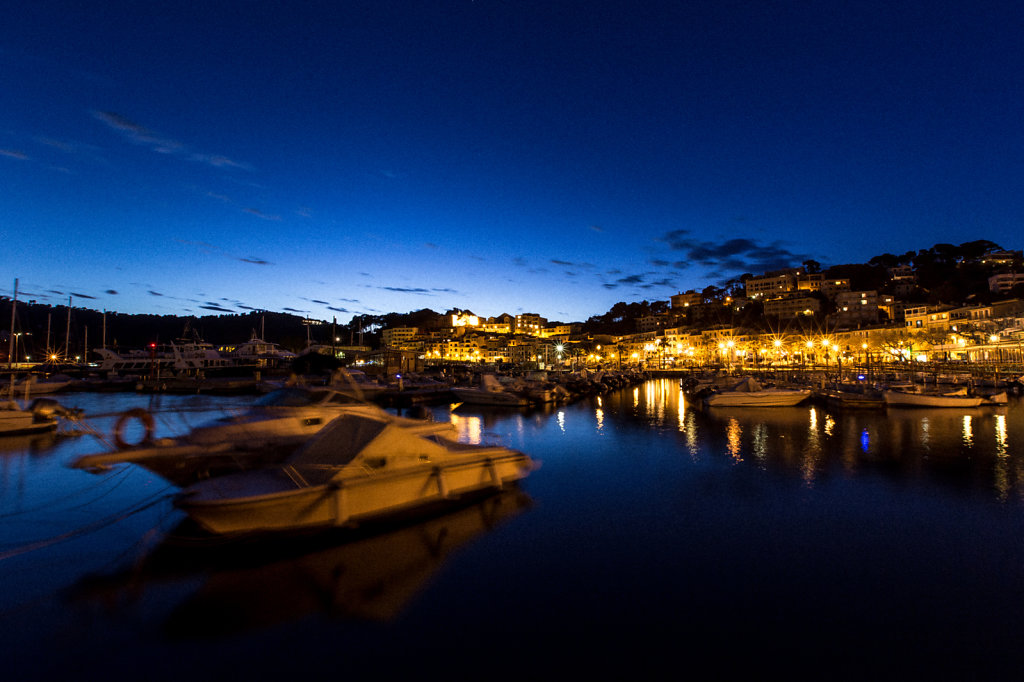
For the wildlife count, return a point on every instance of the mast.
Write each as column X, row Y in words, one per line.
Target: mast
column 67, row 333
column 10, row 350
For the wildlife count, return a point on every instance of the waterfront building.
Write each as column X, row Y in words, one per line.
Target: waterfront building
column 396, row 337
column 770, row 285
column 560, row 332
column 792, row 306
column 902, row 273
column 464, row 318
column 653, row 322
column 809, row 282
column 1002, row 258
column 1004, row 281
column 927, row 317
column 830, row 288
column 855, row 308
column 686, row 299
column 529, row 323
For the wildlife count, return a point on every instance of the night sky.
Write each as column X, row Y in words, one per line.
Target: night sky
column 346, row 157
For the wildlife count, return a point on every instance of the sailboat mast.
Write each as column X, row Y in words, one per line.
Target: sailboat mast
column 10, row 350
column 67, row 333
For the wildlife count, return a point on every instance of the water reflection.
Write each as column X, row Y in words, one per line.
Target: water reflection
column 734, row 438
column 965, row 447
column 1001, row 450
column 253, row 584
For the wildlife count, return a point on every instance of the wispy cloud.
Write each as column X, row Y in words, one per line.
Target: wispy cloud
column 14, row 154
column 260, row 214
column 407, row 290
column 142, row 136
column 213, row 249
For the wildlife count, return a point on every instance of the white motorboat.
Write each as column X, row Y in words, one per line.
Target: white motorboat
column 34, row 385
column 357, row 468
column 274, row 427
column 285, row 413
column 490, row 391
column 959, row 398
column 41, row 415
column 750, row 393
column 14, row 419
column 177, row 357
column 259, row 353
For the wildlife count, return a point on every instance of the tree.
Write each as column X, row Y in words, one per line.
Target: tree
column 812, row 267
column 712, row 293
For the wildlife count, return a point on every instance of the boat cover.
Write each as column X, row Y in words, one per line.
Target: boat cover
column 367, row 437
column 748, row 384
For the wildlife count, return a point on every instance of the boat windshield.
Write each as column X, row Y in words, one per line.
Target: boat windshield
column 336, row 445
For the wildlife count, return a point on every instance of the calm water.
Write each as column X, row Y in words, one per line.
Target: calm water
column 805, row 541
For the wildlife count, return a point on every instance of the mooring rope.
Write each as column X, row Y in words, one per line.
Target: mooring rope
column 153, row 500
column 122, row 475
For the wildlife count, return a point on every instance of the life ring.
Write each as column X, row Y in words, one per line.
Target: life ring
column 147, row 422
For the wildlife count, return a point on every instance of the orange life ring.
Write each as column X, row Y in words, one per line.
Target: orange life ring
column 147, row 422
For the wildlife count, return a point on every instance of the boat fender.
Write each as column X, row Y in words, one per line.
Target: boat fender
column 147, row 422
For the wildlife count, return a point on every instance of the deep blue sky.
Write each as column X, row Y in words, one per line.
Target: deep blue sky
column 340, row 158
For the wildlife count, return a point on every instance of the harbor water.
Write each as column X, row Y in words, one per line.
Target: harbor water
column 804, row 541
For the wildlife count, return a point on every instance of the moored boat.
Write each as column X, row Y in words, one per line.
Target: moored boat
column 489, row 392
column 958, row 398
column 266, row 433
column 357, row 468
column 42, row 415
column 858, row 397
column 750, row 393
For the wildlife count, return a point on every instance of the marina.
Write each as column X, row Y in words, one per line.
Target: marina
column 810, row 540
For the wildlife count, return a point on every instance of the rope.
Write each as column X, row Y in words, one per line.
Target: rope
column 88, row 528
column 122, row 474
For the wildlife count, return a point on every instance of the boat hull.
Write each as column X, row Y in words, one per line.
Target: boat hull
column 900, row 399
column 768, row 398
column 351, row 500
column 19, row 422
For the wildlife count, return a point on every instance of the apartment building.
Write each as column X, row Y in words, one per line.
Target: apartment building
column 791, row 306
column 856, row 308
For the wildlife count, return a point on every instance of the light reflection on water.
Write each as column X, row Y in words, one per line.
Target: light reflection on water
column 648, row 515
